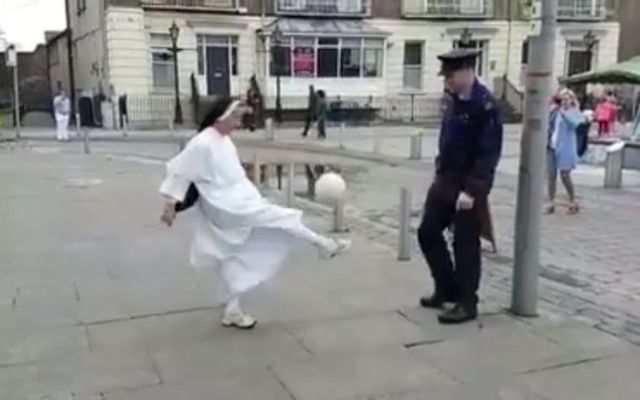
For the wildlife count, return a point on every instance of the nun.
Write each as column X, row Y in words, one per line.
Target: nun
column 239, row 233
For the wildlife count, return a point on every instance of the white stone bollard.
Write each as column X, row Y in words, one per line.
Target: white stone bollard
column 415, row 147
column 269, row 130
column 614, row 166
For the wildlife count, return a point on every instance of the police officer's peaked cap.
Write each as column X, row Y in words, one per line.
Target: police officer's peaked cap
column 457, row 59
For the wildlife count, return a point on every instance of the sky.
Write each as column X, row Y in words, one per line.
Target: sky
column 24, row 21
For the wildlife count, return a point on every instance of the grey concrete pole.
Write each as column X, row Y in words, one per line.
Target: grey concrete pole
column 415, row 147
column 404, row 237
column 268, row 127
column 78, row 125
column 85, row 141
column 338, row 216
column 539, row 77
column 16, row 93
column 125, row 128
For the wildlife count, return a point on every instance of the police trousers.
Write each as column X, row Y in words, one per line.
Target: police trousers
column 455, row 280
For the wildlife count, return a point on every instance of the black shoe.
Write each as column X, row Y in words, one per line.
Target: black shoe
column 457, row 315
column 435, row 301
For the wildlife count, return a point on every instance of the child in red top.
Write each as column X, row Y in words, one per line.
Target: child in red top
column 605, row 115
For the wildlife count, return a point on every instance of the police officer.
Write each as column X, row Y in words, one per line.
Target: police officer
column 469, row 149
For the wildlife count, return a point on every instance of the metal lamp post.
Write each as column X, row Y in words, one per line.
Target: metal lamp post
column 12, row 61
column 276, row 37
column 174, row 32
column 590, row 40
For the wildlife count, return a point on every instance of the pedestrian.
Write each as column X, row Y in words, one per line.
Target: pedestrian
column 239, row 233
column 310, row 117
column 62, row 110
column 636, row 126
column 321, row 113
column 602, row 117
column 253, row 118
column 612, row 108
column 562, row 153
column 469, row 147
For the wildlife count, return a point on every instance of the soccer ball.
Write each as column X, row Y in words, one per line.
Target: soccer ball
column 330, row 188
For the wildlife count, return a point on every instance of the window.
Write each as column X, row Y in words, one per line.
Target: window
column 524, row 60
column 54, row 54
column 579, row 58
column 304, row 60
column 281, row 58
column 373, row 54
column 327, row 57
column 207, row 41
column 161, row 61
column 413, row 65
column 481, row 45
column 350, row 53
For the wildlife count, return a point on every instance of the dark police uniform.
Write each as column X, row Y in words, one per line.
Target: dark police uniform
column 469, row 149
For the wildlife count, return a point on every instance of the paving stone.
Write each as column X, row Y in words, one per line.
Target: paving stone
column 22, row 346
column 614, row 378
column 500, row 352
column 343, row 376
column 357, row 335
column 496, row 391
column 229, row 350
column 244, row 385
column 576, row 336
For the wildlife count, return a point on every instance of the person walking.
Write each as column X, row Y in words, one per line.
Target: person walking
column 240, row 234
column 562, row 154
column 310, row 118
column 62, row 110
column 469, row 148
column 321, row 113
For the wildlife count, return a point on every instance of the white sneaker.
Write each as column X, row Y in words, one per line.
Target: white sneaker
column 339, row 246
column 239, row 320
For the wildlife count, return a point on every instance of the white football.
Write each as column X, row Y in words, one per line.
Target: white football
column 330, row 188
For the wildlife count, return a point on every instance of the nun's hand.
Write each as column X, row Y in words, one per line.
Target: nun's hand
column 464, row 202
column 169, row 213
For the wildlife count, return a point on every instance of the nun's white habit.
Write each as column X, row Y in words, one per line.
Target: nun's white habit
column 237, row 231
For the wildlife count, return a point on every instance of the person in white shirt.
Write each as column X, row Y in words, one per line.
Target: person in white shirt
column 62, row 110
column 240, row 234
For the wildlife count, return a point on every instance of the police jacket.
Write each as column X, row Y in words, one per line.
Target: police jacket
column 470, row 141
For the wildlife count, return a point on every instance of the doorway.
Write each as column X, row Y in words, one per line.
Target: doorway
column 218, row 71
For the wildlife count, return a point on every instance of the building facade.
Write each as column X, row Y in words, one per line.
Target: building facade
column 628, row 12
column 379, row 52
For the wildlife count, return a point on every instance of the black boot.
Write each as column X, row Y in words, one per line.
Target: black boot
column 458, row 315
column 435, row 301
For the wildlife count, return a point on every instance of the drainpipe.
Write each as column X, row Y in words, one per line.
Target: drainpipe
column 72, row 79
column 509, row 40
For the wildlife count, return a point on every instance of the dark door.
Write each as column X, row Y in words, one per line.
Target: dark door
column 218, row 71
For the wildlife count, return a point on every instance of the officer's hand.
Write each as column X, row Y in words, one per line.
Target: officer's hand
column 465, row 202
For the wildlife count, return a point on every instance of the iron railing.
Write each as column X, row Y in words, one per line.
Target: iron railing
column 193, row 4
column 582, row 9
column 323, row 7
column 448, row 8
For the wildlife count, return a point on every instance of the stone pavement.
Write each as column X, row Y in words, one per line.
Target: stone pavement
column 98, row 304
column 589, row 262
